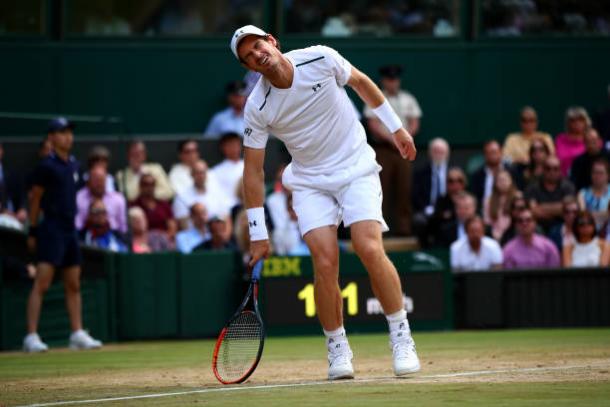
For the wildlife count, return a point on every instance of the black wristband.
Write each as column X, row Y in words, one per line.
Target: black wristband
column 32, row 231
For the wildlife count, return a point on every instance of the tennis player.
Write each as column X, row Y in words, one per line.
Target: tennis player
column 300, row 99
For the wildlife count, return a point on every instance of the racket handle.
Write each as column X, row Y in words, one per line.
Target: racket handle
column 256, row 271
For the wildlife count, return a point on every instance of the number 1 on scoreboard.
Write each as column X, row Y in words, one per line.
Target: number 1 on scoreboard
column 350, row 292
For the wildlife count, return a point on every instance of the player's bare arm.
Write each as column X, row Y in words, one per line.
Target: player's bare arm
column 34, row 201
column 254, row 196
column 372, row 96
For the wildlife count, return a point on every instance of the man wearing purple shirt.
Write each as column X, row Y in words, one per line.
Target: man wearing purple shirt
column 529, row 249
column 114, row 201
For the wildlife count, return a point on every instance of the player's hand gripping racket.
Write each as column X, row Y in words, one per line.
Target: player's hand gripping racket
column 240, row 344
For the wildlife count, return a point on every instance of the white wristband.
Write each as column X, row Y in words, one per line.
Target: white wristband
column 256, row 224
column 388, row 116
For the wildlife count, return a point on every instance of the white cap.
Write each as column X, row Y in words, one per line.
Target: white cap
column 242, row 32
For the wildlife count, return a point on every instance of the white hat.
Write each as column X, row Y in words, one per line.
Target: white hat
column 242, row 32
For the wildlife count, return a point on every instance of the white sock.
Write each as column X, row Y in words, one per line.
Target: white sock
column 398, row 321
column 334, row 335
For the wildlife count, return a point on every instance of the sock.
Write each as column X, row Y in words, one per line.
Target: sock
column 398, row 321
column 332, row 336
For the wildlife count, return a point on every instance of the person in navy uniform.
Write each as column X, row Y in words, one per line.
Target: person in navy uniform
column 54, row 238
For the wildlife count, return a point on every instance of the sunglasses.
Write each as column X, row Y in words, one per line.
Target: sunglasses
column 525, row 220
column 585, row 222
column 528, row 120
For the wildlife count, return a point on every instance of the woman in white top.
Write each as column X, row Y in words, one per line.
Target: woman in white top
column 588, row 250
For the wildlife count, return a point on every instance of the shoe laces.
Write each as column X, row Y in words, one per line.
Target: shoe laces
column 402, row 344
column 338, row 351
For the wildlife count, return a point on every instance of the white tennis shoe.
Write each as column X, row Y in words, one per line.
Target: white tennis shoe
column 403, row 352
column 339, row 359
column 82, row 340
column 33, row 344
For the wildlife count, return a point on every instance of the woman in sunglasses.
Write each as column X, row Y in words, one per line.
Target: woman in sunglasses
column 588, row 250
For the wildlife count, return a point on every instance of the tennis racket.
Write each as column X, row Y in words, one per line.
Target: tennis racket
column 240, row 344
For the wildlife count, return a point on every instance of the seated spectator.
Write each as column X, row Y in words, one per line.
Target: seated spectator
column 588, row 250
column 218, row 237
column 129, row 179
column 287, row 240
column 596, row 198
column 431, row 179
column 429, row 186
column 231, row 119
column 562, row 234
column 100, row 156
column 180, row 175
column 529, row 249
column 571, row 143
column 545, row 196
column 517, row 204
column 192, row 237
column 96, row 188
column 204, row 190
column 527, row 174
column 475, row 251
column 496, row 209
column 142, row 239
column 482, row 181
column 12, row 193
column 228, row 173
column 158, row 213
column 97, row 231
column 517, row 145
column 580, row 174
column 444, row 210
column 450, row 231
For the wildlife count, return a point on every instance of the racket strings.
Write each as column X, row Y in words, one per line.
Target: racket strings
column 240, row 346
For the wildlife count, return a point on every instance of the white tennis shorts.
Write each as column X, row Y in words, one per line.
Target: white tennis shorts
column 357, row 201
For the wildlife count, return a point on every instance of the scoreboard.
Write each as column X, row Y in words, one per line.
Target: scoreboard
column 287, row 293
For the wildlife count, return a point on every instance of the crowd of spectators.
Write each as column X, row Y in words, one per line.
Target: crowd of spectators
column 545, row 202
column 534, row 201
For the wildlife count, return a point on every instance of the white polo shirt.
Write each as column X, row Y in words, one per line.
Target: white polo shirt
column 315, row 120
column 463, row 258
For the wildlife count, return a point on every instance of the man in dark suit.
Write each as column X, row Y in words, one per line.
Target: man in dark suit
column 482, row 180
column 429, row 185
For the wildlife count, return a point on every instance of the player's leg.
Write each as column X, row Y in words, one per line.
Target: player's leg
column 317, row 214
column 322, row 243
column 366, row 239
column 362, row 212
column 79, row 339
column 42, row 282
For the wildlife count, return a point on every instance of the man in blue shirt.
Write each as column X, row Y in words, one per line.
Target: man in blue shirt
column 231, row 119
column 54, row 239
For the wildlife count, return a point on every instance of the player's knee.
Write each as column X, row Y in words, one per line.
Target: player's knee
column 368, row 250
column 42, row 285
column 72, row 285
column 327, row 266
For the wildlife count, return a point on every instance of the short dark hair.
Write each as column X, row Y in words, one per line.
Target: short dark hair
column 601, row 161
column 491, row 141
column 224, row 137
column 472, row 219
column 183, row 143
